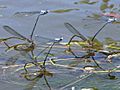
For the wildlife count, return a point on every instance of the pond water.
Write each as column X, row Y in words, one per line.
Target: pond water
column 51, row 25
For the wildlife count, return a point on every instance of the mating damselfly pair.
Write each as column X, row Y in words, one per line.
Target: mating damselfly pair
column 27, row 47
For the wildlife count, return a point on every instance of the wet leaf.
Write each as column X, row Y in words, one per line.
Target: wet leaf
column 114, row 47
column 97, row 44
column 116, row 22
column 80, row 43
column 106, row 1
column 108, row 41
column 14, row 47
column 111, row 6
column 112, row 44
column 63, row 10
column 95, row 16
column 21, row 47
column 86, row 2
column 103, row 6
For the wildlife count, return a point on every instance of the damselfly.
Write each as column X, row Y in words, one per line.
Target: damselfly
column 27, row 47
column 85, row 41
column 103, row 19
column 90, row 44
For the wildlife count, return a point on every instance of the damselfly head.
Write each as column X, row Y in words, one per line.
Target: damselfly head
column 111, row 19
column 59, row 39
column 42, row 12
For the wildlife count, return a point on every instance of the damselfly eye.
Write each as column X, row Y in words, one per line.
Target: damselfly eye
column 112, row 19
column 42, row 12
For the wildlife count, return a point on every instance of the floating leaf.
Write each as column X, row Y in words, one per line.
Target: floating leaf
column 86, row 2
column 103, row 6
column 80, row 43
column 95, row 16
column 21, row 47
column 111, row 6
column 63, row 10
column 97, row 44
column 109, row 40
column 112, row 44
column 106, row 1
column 14, row 47
column 82, row 2
column 116, row 22
column 113, row 47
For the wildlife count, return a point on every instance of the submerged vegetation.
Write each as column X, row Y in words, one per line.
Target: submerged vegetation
column 41, row 62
